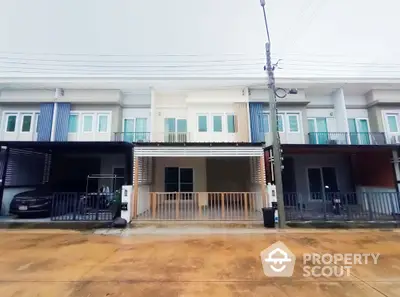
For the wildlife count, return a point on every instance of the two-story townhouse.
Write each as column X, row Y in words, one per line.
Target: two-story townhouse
column 338, row 152
column 199, row 163
column 63, row 136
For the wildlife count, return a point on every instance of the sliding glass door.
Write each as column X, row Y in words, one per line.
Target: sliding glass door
column 318, row 129
column 359, row 131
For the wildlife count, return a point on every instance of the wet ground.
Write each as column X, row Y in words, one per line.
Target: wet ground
column 61, row 263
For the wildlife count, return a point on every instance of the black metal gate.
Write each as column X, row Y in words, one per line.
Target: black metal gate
column 73, row 206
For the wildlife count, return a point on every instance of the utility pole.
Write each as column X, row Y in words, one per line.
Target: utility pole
column 276, row 146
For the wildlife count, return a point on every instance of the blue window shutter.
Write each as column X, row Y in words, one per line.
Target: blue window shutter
column 62, row 120
column 45, row 121
column 256, row 110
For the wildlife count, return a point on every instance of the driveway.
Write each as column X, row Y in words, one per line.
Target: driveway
column 66, row 263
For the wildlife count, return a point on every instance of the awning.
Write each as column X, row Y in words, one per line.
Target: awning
column 198, row 151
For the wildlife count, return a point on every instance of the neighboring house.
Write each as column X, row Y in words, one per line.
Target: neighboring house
column 333, row 141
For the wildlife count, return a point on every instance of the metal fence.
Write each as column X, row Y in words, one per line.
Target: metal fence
column 363, row 206
column 84, row 207
column 199, row 206
column 354, row 138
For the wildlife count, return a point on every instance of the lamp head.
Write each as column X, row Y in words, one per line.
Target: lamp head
column 262, row 2
column 293, row 91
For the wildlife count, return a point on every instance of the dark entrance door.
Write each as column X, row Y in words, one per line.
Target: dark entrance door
column 120, row 174
column 322, row 182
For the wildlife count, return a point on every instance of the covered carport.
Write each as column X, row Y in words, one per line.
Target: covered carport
column 65, row 166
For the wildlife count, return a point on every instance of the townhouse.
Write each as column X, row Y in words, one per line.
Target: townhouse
column 336, row 142
column 201, row 154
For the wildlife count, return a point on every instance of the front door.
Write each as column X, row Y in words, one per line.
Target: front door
column 322, row 182
column 178, row 180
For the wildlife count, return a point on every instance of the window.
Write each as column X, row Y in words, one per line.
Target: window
column 293, row 120
column 11, row 121
column 103, row 123
column 26, row 123
column 202, row 123
column 392, row 123
column 217, row 123
column 87, row 123
column 280, row 123
column 231, row 123
column 178, row 180
column 73, row 123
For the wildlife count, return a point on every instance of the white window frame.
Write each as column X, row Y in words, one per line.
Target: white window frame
column 6, row 116
column 93, row 116
column 207, row 121
column 385, row 115
column 36, row 119
column 98, row 123
column 285, row 121
column 17, row 113
column 22, row 123
column 77, row 122
column 297, row 115
column 223, row 118
column 134, row 124
column 235, row 122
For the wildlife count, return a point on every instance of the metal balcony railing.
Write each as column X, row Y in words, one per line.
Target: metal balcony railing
column 132, row 136
column 168, row 137
column 352, row 138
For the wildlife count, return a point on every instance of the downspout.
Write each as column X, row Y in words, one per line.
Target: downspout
column 54, row 122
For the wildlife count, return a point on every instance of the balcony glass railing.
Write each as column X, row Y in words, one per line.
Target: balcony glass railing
column 132, row 136
column 352, row 138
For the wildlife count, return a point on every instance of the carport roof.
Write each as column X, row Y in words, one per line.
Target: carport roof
column 333, row 148
column 103, row 146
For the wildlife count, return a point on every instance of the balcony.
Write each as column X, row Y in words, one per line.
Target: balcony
column 132, row 136
column 172, row 137
column 344, row 138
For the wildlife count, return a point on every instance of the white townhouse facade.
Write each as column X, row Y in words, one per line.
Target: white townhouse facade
column 208, row 144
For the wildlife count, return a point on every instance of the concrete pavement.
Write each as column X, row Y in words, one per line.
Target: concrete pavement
column 66, row 263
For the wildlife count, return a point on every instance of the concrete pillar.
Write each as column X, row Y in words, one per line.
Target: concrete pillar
column 341, row 112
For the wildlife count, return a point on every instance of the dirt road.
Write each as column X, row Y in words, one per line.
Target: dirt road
column 60, row 263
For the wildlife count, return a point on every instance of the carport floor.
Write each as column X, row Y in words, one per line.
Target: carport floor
column 60, row 263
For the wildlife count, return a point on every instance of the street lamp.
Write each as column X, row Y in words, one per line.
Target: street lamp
column 276, row 147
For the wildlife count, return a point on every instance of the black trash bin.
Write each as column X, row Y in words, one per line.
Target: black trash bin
column 269, row 217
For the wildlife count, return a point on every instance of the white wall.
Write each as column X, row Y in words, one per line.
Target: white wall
column 261, row 95
column 320, row 101
column 355, row 101
column 218, row 96
column 8, row 195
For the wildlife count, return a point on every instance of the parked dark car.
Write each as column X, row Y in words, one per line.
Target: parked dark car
column 35, row 203
column 41, row 202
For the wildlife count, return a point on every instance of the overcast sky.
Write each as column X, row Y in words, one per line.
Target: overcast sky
column 199, row 37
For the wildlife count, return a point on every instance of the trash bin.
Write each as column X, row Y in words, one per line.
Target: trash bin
column 269, row 217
